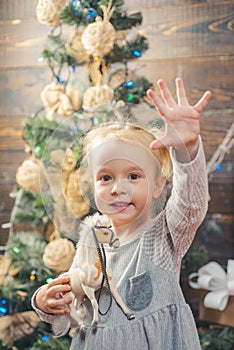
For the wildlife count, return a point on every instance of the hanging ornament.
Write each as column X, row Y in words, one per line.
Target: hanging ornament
column 16, row 326
column 74, row 195
column 56, row 100
column 97, row 95
column 47, row 11
column 99, row 37
column 29, row 175
column 75, row 47
column 59, row 253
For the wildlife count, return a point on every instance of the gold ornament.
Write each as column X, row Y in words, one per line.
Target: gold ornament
column 56, row 100
column 16, row 326
column 47, row 11
column 59, row 253
column 29, row 175
column 75, row 47
column 73, row 194
column 99, row 37
column 97, row 95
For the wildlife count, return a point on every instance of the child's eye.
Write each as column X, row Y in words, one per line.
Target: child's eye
column 134, row 176
column 105, row 178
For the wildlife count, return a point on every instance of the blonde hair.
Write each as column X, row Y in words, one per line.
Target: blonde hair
column 125, row 131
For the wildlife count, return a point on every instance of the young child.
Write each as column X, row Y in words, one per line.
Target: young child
column 129, row 167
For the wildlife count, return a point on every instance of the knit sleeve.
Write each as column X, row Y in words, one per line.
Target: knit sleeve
column 60, row 323
column 187, row 206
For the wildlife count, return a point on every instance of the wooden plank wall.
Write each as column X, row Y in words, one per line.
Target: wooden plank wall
column 188, row 38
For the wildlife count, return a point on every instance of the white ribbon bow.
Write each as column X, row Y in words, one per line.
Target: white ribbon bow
column 213, row 277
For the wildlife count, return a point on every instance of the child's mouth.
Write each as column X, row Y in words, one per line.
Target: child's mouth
column 120, row 205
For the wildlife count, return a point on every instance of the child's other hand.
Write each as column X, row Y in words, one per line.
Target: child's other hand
column 182, row 119
column 52, row 299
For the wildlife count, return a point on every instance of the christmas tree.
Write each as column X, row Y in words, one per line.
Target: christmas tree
column 88, row 50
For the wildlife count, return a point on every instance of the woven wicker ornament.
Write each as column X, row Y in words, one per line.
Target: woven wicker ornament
column 97, row 95
column 16, row 326
column 47, row 11
column 99, row 37
column 56, row 100
column 73, row 195
column 29, row 175
column 75, row 47
column 58, row 254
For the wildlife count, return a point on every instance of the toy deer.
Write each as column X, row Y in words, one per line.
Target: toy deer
column 92, row 272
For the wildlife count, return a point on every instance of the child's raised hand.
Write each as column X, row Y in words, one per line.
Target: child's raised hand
column 52, row 299
column 182, row 119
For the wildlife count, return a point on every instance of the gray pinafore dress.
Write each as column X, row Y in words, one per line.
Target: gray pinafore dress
column 163, row 320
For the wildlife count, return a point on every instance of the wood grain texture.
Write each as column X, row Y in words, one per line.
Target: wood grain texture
column 201, row 29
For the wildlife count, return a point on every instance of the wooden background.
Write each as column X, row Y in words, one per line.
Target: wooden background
column 191, row 39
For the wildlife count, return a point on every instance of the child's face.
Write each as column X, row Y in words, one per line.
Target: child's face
column 124, row 178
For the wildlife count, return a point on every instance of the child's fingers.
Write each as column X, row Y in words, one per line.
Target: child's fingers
column 180, row 91
column 156, row 144
column 166, row 94
column 203, row 101
column 158, row 103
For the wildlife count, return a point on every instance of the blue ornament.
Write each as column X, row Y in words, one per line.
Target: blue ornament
column 75, row 127
column 137, row 53
column 129, row 83
column 73, row 68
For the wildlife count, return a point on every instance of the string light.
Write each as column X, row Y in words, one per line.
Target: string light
column 44, row 338
column 130, row 98
column 16, row 250
column 129, row 83
column 76, row 6
column 49, row 279
column 137, row 53
column 3, row 307
column 37, row 149
column 91, row 15
column 60, row 80
column 218, row 167
column 32, row 277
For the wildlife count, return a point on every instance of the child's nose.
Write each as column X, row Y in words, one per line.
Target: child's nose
column 120, row 187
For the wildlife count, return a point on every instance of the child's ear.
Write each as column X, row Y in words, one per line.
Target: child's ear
column 159, row 185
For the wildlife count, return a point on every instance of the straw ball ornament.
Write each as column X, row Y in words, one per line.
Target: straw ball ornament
column 7, row 270
column 58, row 254
column 16, row 326
column 73, row 193
column 75, row 47
column 99, row 37
column 47, row 11
column 97, row 95
column 56, row 100
column 29, row 175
